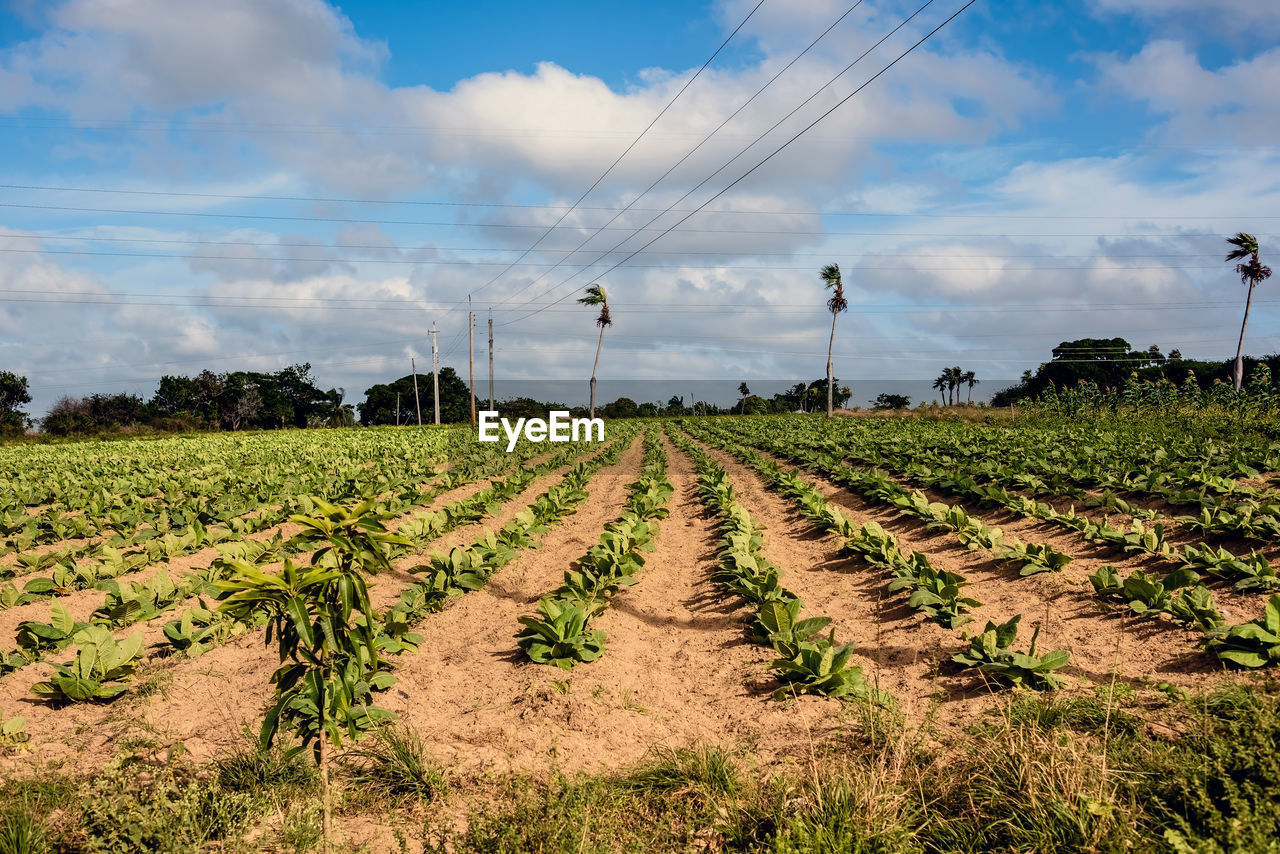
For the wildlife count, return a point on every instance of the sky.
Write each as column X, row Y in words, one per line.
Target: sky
column 248, row 184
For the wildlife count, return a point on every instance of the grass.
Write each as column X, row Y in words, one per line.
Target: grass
column 391, row 764
column 1046, row 774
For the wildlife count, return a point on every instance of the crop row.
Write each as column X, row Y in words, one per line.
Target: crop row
column 1251, row 644
column 936, row 593
column 561, row 633
column 168, row 489
column 1246, row 572
column 806, row 662
column 110, row 560
column 198, row 627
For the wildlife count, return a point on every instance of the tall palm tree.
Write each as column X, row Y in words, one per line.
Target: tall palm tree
column 941, row 385
column 745, row 392
column 970, row 379
column 596, row 296
column 1252, row 272
column 831, row 279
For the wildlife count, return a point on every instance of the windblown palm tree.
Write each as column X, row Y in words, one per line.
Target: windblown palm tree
column 831, row 279
column 941, row 385
column 970, row 379
column 1252, row 272
column 745, row 392
column 342, row 414
column 596, row 296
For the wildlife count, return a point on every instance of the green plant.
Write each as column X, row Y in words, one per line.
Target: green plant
column 1252, row 644
column 1033, row 558
column 101, row 670
column 328, row 653
column 560, row 637
column 937, row 593
column 22, row 831
column 1148, row 595
column 13, row 731
column 822, row 667
column 992, row 652
column 198, row 629
column 778, row 623
column 37, row 637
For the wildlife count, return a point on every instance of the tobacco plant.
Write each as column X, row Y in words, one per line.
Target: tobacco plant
column 1032, row 558
column 101, row 670
column 992, row 652
column 560, row 637
column 779, row 625
column 1253, row 644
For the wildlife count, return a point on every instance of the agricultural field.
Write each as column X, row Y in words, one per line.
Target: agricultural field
column 752, row 634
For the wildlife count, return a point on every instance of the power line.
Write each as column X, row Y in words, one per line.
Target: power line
column 607, row 209
column 240, row 126
column 454, row 224
column 752, row 253
column 446, row 262
column 410, row 303
column 800, row 133
column 626, row 151
column 693, row 150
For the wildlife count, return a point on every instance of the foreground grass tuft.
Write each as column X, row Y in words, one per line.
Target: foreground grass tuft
column 391, row 764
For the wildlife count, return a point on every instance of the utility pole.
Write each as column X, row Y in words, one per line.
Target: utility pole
column 435, row 371
column 490, row 362
column 471, row 356
column 397, row 409
column 416, row 402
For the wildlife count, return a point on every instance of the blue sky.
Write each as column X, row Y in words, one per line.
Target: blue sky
column 242, row 184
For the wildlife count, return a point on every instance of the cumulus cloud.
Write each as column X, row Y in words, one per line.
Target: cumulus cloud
column 1239, row 102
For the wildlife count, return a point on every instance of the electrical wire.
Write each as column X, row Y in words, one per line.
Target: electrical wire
column 507, row 225
column 626, row 151
column 780, row 148
column 605, row 209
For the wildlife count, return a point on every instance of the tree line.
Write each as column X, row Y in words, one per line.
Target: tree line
column 234, row 400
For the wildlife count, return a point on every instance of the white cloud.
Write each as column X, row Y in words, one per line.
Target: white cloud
column 1231, row 16
column 1239, row 102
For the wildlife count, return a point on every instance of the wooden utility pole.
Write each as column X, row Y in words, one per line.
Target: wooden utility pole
column 491, row 363
column 435, row 371
column 471, row 357
column 416, row 403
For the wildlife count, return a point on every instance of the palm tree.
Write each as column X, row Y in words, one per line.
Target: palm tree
column 1252, row 272
column 941, row 385
column 596, row 296
column 970, row 379
column 745, row 392
column 342, row 414
column 831, row 279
